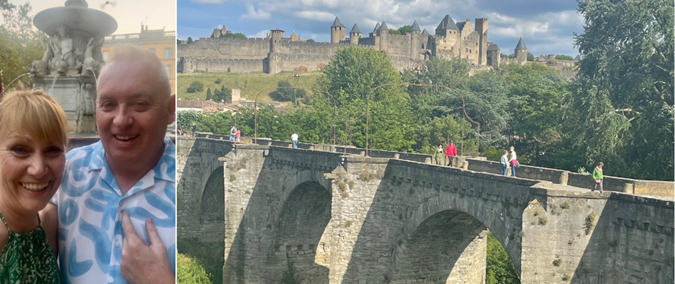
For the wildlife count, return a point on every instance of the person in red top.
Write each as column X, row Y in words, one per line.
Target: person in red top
column 238, row 135
column 450, row 152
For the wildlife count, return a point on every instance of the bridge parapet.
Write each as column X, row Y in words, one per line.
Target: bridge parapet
column 663, row 189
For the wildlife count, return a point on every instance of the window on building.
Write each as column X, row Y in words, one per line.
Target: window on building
column 168, row 70
column 467, row 50
column 105, row 55
column 168, row 52
column 152, row 50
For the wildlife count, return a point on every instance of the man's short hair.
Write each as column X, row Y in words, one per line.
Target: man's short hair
column 139, row 56
column 34, row 113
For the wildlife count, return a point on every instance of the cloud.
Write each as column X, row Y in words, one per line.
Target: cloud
column 210, row 1
column 316, row 16
column 251, row 14
column 260, row 34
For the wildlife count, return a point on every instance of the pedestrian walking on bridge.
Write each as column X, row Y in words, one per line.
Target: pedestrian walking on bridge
column 294, row 138
column 597, row 176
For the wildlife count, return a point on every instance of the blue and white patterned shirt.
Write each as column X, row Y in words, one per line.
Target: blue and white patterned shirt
column 90, row 213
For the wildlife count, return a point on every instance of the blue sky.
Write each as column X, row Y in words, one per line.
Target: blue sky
column 545, row 25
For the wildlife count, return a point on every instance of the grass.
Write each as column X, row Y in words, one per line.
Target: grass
column 249, row 83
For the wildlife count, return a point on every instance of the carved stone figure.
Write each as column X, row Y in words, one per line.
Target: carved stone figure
column 89, row 62
column 41, row 67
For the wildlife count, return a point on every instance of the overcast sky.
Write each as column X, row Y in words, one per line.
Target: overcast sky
column 545, row 25
column 129, row 14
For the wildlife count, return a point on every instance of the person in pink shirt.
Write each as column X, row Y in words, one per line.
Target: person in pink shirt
column 238, row 135
column 450, row 152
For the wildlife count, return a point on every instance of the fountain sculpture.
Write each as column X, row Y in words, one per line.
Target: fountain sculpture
column 72, row 59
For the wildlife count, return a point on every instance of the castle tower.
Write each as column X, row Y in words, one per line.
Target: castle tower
column 415, row 41
column 383, row 34
column 275, row 39
column 447, row 38
column 521, row 52
column 377, row 26
column 354, row 35
column 447, row 27
column 338, row 31
column 481, row 29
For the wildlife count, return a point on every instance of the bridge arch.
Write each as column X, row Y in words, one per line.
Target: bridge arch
column 212, row 205
column 447, row 229
column 304, row 217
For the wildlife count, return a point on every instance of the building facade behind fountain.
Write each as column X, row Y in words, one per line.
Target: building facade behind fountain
column 277, row 53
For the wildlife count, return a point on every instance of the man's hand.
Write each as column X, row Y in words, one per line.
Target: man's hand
column 141, row 263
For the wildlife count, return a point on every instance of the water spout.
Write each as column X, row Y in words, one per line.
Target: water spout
column 10, row 83
column 51, row 89
column 93, row 73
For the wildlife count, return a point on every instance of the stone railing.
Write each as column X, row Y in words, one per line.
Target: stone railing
column 480, row 164
column 610, row 183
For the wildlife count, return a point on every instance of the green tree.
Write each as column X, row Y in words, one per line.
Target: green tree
column 624, row 89
column 19, row 44
column 348, row 79
column 486, row 102
column 310, row 40
column 499, row 267
column 234, row 35
column 195, row 87
column 190, row 271
column 535, row 91
column 563, row 57
column 404, row 29
column 224, row 94
column 189, row 40
column 208, row 94
column 530, row 56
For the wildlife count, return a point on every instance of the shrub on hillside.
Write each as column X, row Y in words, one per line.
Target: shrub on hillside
column 195, row 86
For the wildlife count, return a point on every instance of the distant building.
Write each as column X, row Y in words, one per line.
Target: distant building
column 160, row 42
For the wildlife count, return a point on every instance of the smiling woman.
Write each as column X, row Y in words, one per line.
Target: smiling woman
column 32, row 159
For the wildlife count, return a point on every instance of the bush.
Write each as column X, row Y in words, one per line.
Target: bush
column 190, row 271
column 493, row 154
column 210, row 255
column 195, row 86
column 218, row 81
column 551, row 62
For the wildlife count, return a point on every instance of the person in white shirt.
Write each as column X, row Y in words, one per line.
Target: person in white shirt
column 294, row 138
column 513, row 161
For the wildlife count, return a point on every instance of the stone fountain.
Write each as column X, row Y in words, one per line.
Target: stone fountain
column 72, row 60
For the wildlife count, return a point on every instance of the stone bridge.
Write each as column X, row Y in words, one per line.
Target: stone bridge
column 345, row 218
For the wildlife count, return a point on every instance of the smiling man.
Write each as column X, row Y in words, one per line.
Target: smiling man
column 117, row 199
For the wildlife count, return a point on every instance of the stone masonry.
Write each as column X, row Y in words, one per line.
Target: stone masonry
column 349, row 219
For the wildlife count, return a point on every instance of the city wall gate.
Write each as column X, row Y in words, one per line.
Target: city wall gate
column 350, row 219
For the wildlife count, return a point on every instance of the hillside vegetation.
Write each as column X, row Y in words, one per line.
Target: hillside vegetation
column 249, row 83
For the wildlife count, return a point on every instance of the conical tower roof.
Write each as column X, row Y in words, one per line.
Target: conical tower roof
column 521, row 45
column 447, row 23
column 383, row 27
column 415, row 27
column 337, row 23
column 377, row 26
column 425, row 32
column 355, row 29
